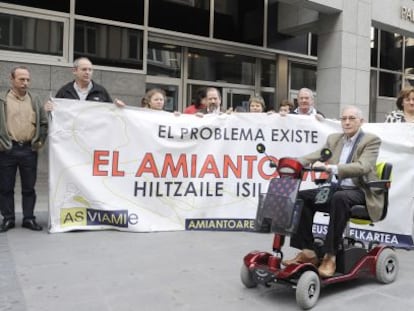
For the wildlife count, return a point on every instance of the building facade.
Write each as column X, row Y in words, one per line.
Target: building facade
column 347, row 51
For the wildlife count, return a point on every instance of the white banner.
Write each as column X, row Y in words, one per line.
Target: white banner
column 141, row 170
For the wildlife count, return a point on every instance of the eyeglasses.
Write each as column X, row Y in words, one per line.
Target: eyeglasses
column 351, row 118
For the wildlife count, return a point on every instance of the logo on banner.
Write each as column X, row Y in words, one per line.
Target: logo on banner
column 214, row 224
column 78, row 216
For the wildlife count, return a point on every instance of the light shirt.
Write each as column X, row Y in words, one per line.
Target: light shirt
column 21, row 118
column 82, row 93
column 311, row 112
column 346, row 151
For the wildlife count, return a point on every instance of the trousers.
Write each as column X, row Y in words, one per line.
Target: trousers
column 339, row 211
column 21, row 157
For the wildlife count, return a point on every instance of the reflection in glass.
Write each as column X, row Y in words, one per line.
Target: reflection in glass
column 61, row 5
column 223, row 67
column 314, row 45
column 374, row 47
column 409, row 81
column 163, row 60
column 269, row 99
column 268, row 73
column 188, row 16
column 296, row 44
column 121, row 10
column 409, row 56
column 277, row 40
column 27, row 34
column 239, row 102
column 109, row 45
column 391, row 51
column 302, row 76
column 389, row 84
column 240, row 21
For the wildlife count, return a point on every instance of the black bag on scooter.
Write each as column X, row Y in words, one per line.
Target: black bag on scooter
column 278, row 210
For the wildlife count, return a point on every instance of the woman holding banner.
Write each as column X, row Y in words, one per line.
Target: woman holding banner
column 405, row 105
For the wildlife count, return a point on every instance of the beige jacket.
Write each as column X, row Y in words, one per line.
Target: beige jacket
column 361, row 169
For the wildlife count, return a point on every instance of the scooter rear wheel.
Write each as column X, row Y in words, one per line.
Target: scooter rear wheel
column 247, row 277
column 308, row 289
column 387, row 266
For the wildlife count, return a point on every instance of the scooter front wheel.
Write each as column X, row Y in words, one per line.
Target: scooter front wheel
column 387, row 266
column 308, row 289
column 247, row 277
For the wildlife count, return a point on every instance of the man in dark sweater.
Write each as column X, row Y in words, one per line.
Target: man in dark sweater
column 83, row 87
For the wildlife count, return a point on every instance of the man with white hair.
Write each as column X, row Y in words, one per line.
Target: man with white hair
column 353, row 163
column 306, row 104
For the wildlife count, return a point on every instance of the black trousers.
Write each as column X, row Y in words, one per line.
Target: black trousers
column 339, row 212
column 23, row 158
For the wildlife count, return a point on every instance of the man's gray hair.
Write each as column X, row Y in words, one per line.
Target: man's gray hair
column 309, row 91
column 76, row 61
column 356, row 108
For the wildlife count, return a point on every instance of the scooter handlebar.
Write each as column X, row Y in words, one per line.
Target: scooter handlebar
column 315, row 169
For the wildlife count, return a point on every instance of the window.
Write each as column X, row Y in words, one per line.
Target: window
column 302, row 76
column 269, row 99
column 296, row 44
column 277, row 40
column 54, row 5
column 29, row 34
column 389, row 84
column 314, row 45
column 240, row 21
column 126, row 11
column 188, row 16
column 163, row 60
column 393, row 65
column 374, row 47
column 223, row 67
column 391, row 51
column 409, row 56
column 268, row 73
column 109, row 45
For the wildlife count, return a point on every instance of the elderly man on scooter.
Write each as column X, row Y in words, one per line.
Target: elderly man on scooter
column 353, row 163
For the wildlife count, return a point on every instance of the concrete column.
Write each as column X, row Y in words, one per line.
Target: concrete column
column 344, row 58
column 282, row 80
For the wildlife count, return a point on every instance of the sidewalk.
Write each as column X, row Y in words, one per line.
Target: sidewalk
column 194, row 271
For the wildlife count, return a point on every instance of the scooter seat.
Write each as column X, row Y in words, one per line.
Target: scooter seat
column 360, row 212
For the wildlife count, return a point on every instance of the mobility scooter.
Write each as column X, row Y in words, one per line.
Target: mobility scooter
column 279, row 212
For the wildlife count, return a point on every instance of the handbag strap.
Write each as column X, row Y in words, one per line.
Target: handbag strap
column 348, row 160
column 357, row 140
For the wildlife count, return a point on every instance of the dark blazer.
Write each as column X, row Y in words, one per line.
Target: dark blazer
column 361, row 169
column 97, row 93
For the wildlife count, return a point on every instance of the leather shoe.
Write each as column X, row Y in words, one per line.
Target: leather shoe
column 301, row 257
column 327, row 267
column 6, row 225
column 32, row 225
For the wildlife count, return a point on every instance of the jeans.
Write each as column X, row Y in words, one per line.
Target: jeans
column 21, row 157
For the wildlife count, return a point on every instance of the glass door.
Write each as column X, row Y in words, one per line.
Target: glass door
column 238, row 99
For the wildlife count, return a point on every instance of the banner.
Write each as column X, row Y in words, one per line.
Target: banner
column 134, row 169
